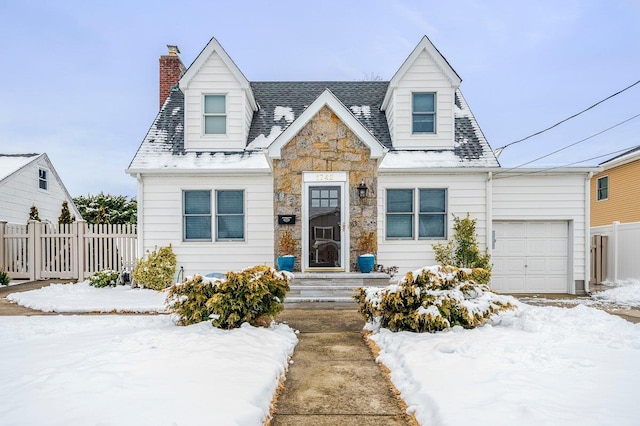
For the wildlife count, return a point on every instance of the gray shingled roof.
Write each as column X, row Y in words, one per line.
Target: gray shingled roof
column 300, row 94
column 163, row 147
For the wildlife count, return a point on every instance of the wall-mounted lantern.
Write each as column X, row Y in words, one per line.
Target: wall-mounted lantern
column 362, row 190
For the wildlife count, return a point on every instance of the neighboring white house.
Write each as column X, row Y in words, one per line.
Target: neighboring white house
column 30, row 180
column 229, row 164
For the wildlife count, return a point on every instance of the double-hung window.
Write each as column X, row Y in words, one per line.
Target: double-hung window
column 424, row 210
column 42, row 179
column 230, row 215
column 603, row 188
column 197, row 215
column 423, row 113
column 215, row 115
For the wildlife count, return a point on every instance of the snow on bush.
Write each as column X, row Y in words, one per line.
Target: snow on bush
column 254, row 295
column 432, row 299
column 157, row 270
column 106, row 278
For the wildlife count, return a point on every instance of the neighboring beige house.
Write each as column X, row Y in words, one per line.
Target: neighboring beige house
column 229, row 164
column 615, row 191
column 30, row 180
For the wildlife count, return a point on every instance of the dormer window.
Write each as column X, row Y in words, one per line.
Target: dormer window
column 42, row 179
column 215, row 115
column 424, row 113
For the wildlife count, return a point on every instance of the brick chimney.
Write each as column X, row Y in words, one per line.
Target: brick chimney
column 171, row 69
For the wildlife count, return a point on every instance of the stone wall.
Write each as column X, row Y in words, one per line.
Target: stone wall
column 325, row 144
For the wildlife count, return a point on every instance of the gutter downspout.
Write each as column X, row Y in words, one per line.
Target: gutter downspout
column 587, row 234
column 489, row 214
column 140, row 211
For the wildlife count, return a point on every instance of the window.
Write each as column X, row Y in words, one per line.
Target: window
column 230, row 215
column 215, row 115
column 400, row 213
column 42, row 179
column 424, row 113
column 431, row 217
column 197, row 215
column 603, row 188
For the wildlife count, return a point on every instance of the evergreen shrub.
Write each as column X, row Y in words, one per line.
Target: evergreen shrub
column 106, row 278
column 432, row 299
column 5, row 279
column 254, row 295
column 157, row 271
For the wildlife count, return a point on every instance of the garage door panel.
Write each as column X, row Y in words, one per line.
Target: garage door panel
column 530, row 257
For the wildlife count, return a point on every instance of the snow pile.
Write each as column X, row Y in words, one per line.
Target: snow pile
column 82, row 297
column 532, row 366
column 137, row 370
column 623, row 292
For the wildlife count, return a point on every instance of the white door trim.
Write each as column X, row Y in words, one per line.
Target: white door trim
column 340, row 179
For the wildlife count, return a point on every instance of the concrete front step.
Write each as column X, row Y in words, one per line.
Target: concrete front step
column 327, row 288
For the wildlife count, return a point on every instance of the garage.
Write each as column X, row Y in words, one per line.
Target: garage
column 530, row 256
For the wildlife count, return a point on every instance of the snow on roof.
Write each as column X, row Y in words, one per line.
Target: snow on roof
column 10, row 163
column 361, row 111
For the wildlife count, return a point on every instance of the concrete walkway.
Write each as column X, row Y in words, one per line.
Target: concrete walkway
column 334, row 378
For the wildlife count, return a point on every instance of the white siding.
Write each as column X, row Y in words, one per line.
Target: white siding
column 558, row 197
column 162, row 206
column 423, row 76
column 215, row 78
column 466, row 194
column 20, row 191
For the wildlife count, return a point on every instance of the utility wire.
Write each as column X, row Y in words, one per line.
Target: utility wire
column 533, row 172
column 498, row 150
column 574, row 144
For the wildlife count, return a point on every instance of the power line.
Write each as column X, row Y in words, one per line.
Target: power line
column 497, row 175
column 575, row 143
column 499, row 150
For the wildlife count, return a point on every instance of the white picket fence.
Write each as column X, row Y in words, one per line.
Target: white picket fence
column 622, row 250
column 76, row 251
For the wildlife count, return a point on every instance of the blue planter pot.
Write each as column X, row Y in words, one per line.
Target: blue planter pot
column 365, row 263
column 285, row 263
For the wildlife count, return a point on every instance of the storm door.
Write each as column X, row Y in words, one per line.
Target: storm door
column 325, row 232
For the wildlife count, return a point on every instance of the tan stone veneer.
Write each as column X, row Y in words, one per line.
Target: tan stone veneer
column 325, row 143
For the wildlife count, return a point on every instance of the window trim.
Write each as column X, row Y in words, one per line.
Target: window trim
column 43, row 180
column 416, row 213
column 243, row 214
column 215, row 114
column 434, row 113
column 184, row 217
column 598, row 189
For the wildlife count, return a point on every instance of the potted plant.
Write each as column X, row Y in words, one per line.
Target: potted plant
column 287, row 246
column 367, row 246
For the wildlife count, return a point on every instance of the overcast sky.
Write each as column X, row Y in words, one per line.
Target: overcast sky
column 80, row 78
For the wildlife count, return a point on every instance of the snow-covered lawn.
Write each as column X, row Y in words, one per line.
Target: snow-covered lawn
column 133, row 369
column 534, row 366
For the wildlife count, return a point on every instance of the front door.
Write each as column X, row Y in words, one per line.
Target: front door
column 325, row 226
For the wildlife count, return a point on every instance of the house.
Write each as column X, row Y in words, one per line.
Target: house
column 229, row 164
column 31, row 180
column 614, row 190
column 615, row 218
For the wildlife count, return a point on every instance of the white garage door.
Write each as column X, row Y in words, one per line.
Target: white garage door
column 530, row 257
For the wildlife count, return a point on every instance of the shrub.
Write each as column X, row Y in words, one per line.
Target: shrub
column 463, row 251
column 106, row 278
column 158, row 270
column 431, row 299
column 287, row 245
column 65, row 217
column 367, row 243
column 5, row 279
column 254, row 295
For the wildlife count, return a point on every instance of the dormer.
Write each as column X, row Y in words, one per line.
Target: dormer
column 218, row 102
column 420, row 99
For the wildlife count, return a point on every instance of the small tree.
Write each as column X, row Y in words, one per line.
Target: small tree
column 65, row 217
column 463, row 251
column 34, row 214
column 102, row 216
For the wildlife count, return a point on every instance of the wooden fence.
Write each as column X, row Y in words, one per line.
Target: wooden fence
column 76, row 251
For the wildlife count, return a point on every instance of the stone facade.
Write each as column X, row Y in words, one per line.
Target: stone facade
column 326, row 144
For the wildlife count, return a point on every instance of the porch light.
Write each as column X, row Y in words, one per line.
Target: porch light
column 362, row 190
